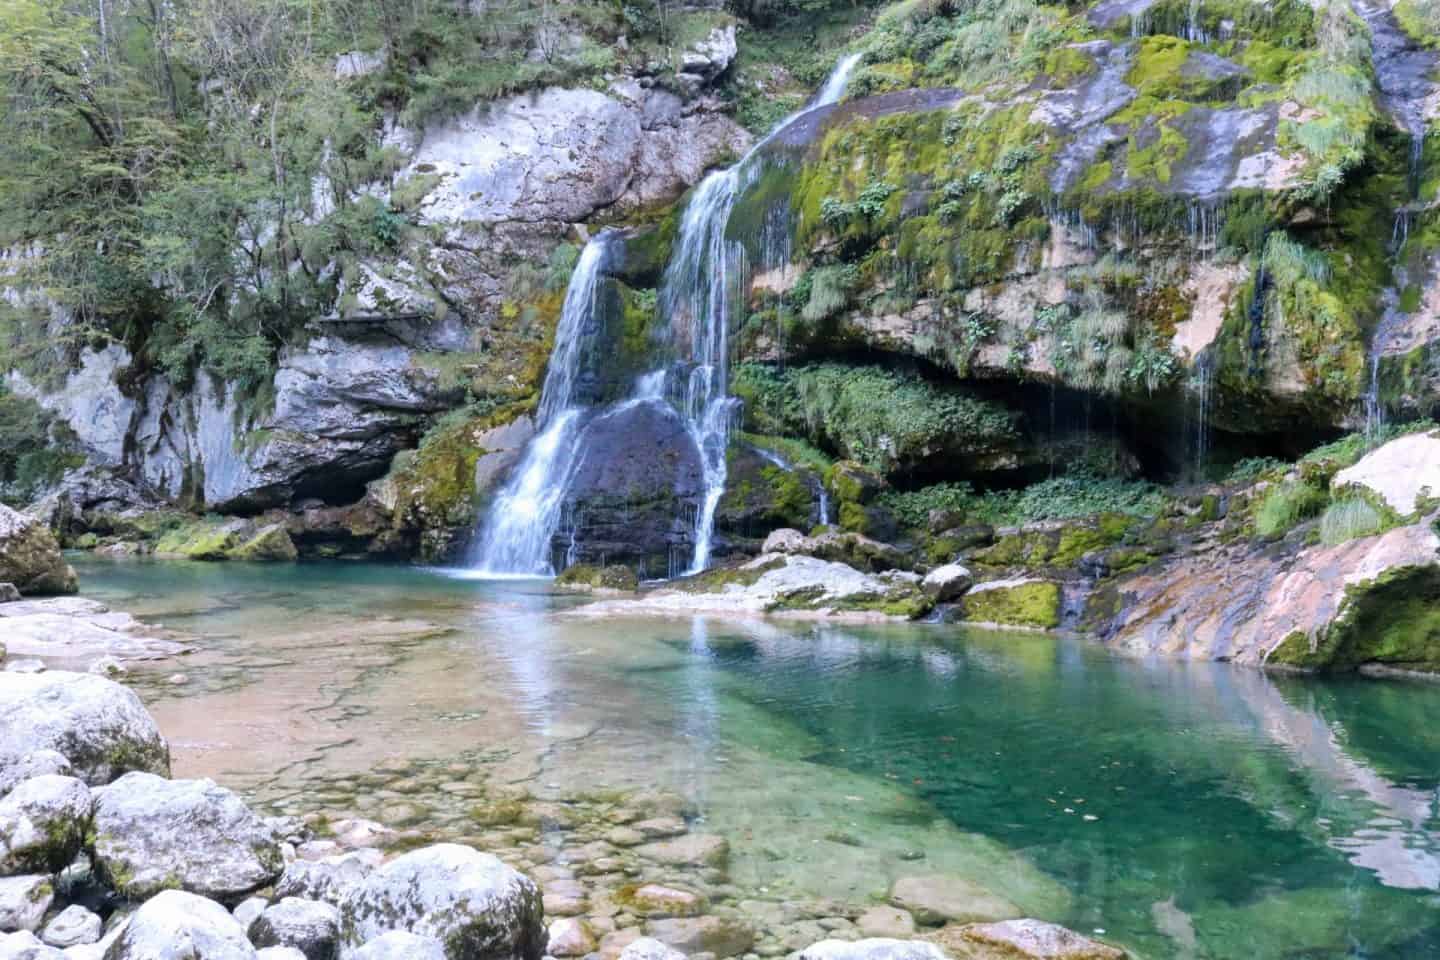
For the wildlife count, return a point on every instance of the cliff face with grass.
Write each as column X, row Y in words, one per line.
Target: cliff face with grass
column 1095, row 248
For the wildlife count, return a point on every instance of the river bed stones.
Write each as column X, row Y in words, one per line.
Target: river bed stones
column 690, row 850
column 721, row 936
column 937, row 898
column 153, row 834
column 571, row 937
column 886, row 922
column 101, row 728
column 1023, row 939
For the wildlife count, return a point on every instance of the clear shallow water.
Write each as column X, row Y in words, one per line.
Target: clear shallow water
column 1189, row 810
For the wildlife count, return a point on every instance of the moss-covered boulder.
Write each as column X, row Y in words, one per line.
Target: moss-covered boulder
column 765, row 493
column 852, row 549
column 1019, row 602
column 269, row 543
column 204, row 539
column 30, row 559
column 1058, row 543
column 589, row 577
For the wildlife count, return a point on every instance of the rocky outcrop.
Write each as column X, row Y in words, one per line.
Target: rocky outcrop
column 98, row 726
column 153, row 834
column 782, row 585
column 1364, row 601
column 30, row 559
column 852, row 549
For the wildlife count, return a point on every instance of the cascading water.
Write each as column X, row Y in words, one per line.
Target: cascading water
column 527, row 511
column 701, row 290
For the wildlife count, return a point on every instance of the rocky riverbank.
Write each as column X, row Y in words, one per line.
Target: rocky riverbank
column 104, row 855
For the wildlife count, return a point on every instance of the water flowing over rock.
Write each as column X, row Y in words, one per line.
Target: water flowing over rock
column 152, row 834
column 98, row 726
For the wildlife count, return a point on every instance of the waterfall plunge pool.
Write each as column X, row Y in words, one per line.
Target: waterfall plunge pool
column 1187, row 810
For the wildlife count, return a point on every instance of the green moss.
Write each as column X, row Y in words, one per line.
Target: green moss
column 270, row 543
column 1016, row 603
column 1059, row 547
column 208, row 539
column 1393, row 620
column 596, row 577
column 1285, row 505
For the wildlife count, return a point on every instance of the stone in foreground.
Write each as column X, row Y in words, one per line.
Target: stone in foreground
column 42, row 824
column 71, row 927
column 938, row 897
column 400, row 945
column 873, row 949
column 470, row 901
column 23, row 902
column 100, row 727
column 153, row 834
column 174, row 925
column 1034, row 940
column 309, row 926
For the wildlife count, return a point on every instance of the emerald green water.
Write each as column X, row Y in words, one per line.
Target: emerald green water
column 1188, row 810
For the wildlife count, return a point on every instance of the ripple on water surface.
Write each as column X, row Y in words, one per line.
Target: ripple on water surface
column 1189, row 810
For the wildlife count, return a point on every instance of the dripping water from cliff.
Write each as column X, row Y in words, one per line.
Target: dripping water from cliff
column 526, row 513
column 702, row 295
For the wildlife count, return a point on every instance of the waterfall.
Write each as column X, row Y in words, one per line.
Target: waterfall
column 528, row 509
column 702, row 288
column 701, row 291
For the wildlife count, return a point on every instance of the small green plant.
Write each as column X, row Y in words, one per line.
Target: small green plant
column 1285, row 505
column 1348, row 519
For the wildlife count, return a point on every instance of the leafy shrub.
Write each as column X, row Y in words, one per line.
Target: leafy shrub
column 1285, row 505
column 912, row 507
column 1081, row 493
column 829, row 291
column 34, row 449
column 1252, row 469
column 1348, row 519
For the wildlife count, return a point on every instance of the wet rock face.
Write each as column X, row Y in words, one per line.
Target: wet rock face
column 1365, row 601
column 30, row 559
column 152, row 834
column 638, row 480
column 99, row 727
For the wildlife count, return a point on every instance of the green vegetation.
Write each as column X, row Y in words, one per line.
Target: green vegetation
column 1348, row 519
column 35, row 449
column 870, row 414
column 1285, row 505
column 1073, row 495
column 1033, row 604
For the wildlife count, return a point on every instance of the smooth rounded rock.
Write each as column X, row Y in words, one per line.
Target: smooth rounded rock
column 571, row 937
column 36, row 763
column 100, row 727
column 658, row 900
column 309, row 926
column 175, row 925
column 72, row 926
column 43, row 822
column 153, row 834
column 30, row 558
column 24, row 945
column 468, row 900
column 248, row 910
column 878, row 948
column 1028, row 939
column 691, row 850
column 936, row 898
column 400, row 945
column 23, row 902
column 886, row 922
column 721, row 936
column 648, row 948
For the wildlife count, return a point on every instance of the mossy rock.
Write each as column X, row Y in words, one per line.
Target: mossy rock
column 270, row 543
column 208, row 540
column 1014, row 603
column 1056, row 545
column 949, row 544
column 851, row 482
column 1391, row 621
column 588, row 576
